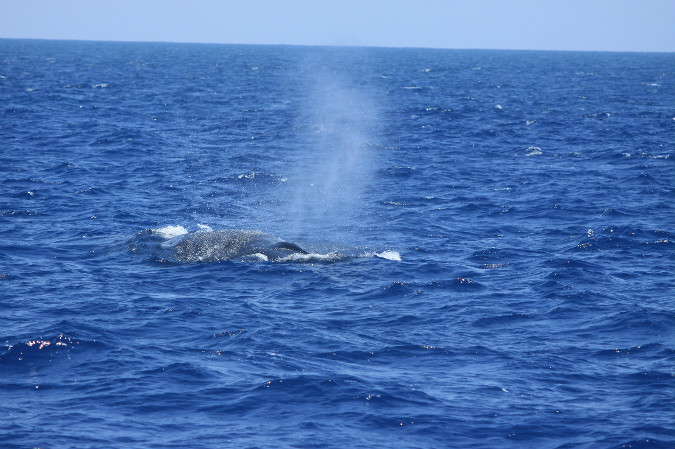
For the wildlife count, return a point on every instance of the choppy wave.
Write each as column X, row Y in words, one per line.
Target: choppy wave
column 43, row 350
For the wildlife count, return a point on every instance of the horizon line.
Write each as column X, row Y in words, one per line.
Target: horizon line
column 330, row 45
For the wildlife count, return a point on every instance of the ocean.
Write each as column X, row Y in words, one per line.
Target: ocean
column 480, row 247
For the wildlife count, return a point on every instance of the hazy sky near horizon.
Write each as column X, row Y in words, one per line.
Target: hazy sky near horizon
column 595, row 25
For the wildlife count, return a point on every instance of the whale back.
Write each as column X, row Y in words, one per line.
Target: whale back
column 214, row 246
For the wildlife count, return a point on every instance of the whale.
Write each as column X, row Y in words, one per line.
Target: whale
column 214, row 246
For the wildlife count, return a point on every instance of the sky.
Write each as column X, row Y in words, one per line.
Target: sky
column 587, row 25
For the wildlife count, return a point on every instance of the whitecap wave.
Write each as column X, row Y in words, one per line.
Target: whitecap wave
column 387, row 254
column 315, row 257
column 533, row 151
column 169, row 232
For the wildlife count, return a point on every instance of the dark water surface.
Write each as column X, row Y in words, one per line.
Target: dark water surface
column 491, row 239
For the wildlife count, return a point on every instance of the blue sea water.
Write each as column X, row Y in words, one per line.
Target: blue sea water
column 491, row 239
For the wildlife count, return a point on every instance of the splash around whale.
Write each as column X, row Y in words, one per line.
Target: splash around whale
column 175, row 244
